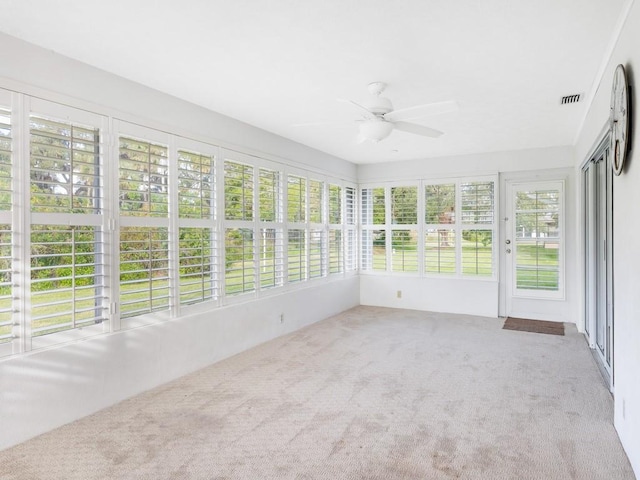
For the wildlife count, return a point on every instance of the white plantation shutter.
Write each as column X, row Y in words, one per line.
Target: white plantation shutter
column 404, row 241
column 270, row 195
column 197, row 247
column 6, row 310
column 67, row 239
column 477, row 228
column 351, row 243
column 238, row 191
column 271, row 231
column 449, row 228
column 6, row 276
column 196, row 185
column 296, row 256
column 335, row 243
column 144, row 233
column 373, row 239
column 197, row 264
column 296, row 199
column 240, row 242
column 65, row 168
column 240, row 276
column 67, row 278
column 440, row 237
column 144, row 270
column 5, row 160
column 317, row 253
column 113, row 243
column 316, row 200
column 335, row 251
column 143, row 178
column 271, row 257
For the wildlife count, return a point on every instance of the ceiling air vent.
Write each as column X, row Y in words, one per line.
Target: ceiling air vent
column 570, row 99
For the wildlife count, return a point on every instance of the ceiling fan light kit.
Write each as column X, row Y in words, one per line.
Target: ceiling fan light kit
column 375, row 129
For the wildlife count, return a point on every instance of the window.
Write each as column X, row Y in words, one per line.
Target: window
column 6, row 317
column 477, row 212
column 316, row 199
column 240, row 275
column 112, row 236
column 195, row 185
column 197, row 269
column 455, row 235
column 144, row 270
column 317, row 254
column 373, row 238
column 271, row 253
column 271, row 258
column 404, row 242
column 296, row 256
column 238, row 191
column 296, row 199
column 538, row 241
column 144, row 235
column 351, row 245
column 67, row 278
column 335, row 251
column 440, row 232
column 336, row 247
column 67, row 250
column 197, row 266
column 5, row 160
column 143, row 178
column 270, row 195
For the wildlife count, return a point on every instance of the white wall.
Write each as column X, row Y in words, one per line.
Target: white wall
column 626, row 239
column 475, row 296
column 33, row 70
column 50, row 387
column 472, row 297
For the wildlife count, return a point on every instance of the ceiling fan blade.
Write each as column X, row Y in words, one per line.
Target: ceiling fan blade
column 330, row 124
column 364, row 109
column 420, row 111
column 417, row 129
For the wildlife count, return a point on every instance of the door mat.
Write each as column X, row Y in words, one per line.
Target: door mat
column 534, row 326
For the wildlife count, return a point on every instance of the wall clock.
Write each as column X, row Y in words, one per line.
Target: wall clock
column 619, row 119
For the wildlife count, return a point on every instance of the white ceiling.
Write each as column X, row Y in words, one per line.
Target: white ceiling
column 276, row 63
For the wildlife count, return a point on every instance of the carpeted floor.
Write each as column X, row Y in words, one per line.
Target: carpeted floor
column 372, row 393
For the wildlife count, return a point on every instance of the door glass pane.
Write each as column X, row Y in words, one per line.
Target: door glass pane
column 537, row 239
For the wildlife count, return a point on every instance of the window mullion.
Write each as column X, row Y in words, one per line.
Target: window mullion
column 173, row 212
column 21, row 223
column 111, row 225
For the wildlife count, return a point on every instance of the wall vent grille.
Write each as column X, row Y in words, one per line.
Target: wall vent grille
column 571, row 99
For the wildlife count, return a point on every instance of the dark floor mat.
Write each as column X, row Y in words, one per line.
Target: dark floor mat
column 534, row 326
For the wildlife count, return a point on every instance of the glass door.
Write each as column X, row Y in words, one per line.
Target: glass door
column 597, row 181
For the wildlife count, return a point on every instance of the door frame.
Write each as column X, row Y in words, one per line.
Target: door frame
column 589, row 276
column 506, row 180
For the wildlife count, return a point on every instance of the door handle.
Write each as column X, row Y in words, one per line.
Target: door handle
column 507, row 241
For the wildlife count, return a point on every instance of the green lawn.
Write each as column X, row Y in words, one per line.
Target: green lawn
column 537, row 268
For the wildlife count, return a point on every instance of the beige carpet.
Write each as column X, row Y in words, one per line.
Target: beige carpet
column 369, row 394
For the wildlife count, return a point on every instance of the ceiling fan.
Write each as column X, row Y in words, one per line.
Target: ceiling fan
column 379, row 118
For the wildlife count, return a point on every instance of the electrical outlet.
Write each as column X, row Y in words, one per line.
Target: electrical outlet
column 399, row 294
